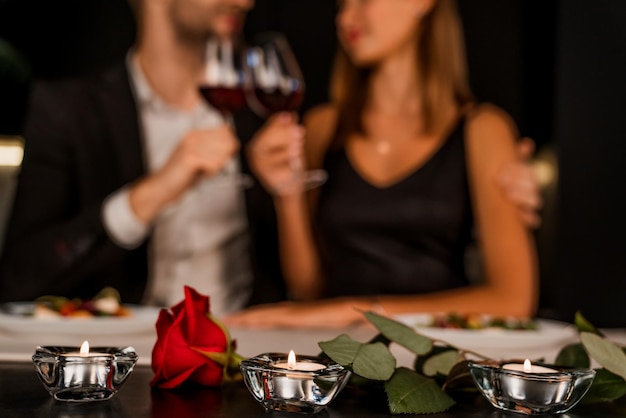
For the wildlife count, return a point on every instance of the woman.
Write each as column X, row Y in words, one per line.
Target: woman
column 411, row 162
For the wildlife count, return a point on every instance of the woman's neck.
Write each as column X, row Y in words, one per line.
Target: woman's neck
column 394, row 84
column 170, row 64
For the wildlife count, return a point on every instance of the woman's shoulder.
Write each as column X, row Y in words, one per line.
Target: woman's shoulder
column 486, row 118
column 490, row 135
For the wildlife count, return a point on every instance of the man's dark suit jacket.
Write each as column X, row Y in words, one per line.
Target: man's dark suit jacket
column 82, row 143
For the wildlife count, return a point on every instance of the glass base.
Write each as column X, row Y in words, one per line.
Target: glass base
column 300, row 407
column 302, row 182
column 84, row 394
column 314, row 178
column 235, row 180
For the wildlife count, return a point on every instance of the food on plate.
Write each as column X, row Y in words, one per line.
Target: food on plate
column 106, row 303
column 480, row 321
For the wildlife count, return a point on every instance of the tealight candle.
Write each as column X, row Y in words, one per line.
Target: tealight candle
column 292, row 364
column 528, row 367
column 305, row 385
column 295, row 384
column 84, row 352
column 524, row 388
column 86, row 369
column 82, row 375
column 530, row 389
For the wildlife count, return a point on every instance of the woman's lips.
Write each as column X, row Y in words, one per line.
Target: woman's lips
column 352, row 35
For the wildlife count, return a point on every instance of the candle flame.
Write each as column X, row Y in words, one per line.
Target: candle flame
column 527, row 366
column 291, row 360
column 84, row 348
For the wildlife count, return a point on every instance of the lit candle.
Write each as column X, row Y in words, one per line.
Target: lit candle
column 299, row 379
column 85, row 352
column 528, row 367
column 530, row 387
column 305, row 384
column 86, row 369
column 292, row 364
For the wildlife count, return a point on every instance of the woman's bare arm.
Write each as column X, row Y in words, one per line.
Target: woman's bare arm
column 297, row 248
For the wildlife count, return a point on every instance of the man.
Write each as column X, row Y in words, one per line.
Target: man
column 127, row 164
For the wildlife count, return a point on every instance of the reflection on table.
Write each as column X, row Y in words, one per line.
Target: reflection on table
column 22, row 395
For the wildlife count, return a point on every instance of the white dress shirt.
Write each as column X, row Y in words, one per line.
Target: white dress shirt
column 202, row 239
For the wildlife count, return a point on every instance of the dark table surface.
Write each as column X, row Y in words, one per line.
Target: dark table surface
column 22, row 395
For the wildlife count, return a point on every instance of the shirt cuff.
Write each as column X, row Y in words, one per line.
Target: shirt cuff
column 121, row 223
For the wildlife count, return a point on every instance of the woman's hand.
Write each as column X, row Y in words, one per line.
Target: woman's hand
column 274, row 153
column 333, row 313
column 520, row 185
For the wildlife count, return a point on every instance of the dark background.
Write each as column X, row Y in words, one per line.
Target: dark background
column 557, row 66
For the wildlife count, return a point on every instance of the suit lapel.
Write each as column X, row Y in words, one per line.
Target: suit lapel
column 120, row 118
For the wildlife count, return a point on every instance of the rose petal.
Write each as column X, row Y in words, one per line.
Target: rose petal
column 199, row 329
column 196, row 305
column 210, row 374
column 163, row 325
column 178, row 355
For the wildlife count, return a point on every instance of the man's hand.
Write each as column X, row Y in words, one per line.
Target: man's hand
column 200, row 152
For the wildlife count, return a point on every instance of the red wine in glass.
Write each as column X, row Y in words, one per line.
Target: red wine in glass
column 225, row 99
column 223, row 85
column 275, row 100
column 278, row 86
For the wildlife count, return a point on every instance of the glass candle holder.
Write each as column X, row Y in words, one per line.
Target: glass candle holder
column 71, row 376
column 545, row 389
column 306, row 388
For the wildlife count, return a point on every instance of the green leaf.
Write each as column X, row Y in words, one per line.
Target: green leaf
column 372, row 361
column 412, row 393
column 584, row 325
column 573, row 355
column 342, row 350
column 441, row 363
column 606, row 353
column 606, row 387
column 400, row 333
column 421, row 360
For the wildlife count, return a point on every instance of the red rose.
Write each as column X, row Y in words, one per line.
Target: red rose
column 191, row 345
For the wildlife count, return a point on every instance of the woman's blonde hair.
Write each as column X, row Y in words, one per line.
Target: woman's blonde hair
column 442, row 72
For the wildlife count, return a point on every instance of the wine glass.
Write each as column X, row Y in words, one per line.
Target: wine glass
column 277, row 85
column 223, row 85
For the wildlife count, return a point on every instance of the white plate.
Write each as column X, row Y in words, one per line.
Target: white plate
column 548, row 333
column 14, row 319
